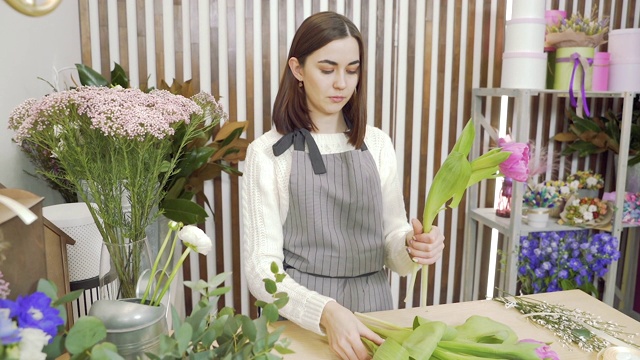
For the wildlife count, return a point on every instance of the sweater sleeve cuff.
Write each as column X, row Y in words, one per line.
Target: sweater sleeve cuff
column 311, row 317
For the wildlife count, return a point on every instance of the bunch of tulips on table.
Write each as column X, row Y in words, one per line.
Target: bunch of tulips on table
column 479, row 337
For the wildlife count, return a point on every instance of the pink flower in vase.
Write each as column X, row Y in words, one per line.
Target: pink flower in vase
column 517, row 165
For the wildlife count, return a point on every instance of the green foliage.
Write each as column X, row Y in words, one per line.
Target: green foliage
column 597, row 134
column 222, row 334
column 215, row 148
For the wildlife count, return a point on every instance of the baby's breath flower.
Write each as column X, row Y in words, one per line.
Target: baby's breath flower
column 571, row 326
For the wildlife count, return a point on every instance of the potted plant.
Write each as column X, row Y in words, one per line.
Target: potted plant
column 115, row 145
column 594, row 135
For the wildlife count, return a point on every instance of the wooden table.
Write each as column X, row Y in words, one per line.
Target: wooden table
column 308, row 345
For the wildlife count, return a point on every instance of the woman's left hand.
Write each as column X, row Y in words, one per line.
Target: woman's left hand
column 424, row 249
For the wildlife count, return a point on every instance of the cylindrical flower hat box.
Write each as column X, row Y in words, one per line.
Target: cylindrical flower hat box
column 624, row 66
column 624, row 44
column 524, row 70
column 524, row 35
column 600, row 80
column 624, row 75
column 527, row 9
column 565, row 63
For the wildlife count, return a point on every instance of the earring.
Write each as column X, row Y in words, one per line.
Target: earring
column 300, row 84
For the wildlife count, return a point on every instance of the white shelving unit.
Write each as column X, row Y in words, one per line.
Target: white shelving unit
column 515, row 226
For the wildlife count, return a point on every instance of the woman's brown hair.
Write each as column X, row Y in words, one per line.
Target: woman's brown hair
column 290, row 111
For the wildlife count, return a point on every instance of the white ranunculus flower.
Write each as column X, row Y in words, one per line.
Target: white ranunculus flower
column 564, row 190
column 588, row 216
column 31, row 343
column 197, row 238
column 592, row 208
column 575, row 184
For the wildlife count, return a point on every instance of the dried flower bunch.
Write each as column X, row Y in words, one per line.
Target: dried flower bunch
column 585, row 212
column 578, row 31
column 563, row 260
column 586, row 179
column 571, row 326
column 541, row 196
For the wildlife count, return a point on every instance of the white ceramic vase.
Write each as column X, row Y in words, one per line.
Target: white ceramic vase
column 538, row 217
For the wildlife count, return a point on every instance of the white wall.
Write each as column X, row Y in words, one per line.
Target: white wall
column 31, row 47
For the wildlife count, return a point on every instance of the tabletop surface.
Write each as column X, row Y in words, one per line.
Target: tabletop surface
column 308, row 345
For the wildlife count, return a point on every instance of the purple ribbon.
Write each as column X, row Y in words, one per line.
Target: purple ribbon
column 578, row 60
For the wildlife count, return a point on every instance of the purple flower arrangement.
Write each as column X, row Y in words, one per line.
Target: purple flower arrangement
column 563, row 260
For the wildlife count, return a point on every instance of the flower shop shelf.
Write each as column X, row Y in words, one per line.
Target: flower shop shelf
column 515, row 226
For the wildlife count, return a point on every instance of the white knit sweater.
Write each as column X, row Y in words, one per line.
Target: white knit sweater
column 265, row 203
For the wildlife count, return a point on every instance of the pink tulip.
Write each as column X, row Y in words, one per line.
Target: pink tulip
column 517, row 165
column 544, row 351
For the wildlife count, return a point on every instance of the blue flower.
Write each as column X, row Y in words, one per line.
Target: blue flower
column 35, row 311
column 9, row 331
column 576, row 257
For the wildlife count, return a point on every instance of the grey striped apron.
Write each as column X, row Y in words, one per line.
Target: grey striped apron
column 333, row 237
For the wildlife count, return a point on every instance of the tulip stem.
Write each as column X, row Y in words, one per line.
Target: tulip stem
column 424, row 285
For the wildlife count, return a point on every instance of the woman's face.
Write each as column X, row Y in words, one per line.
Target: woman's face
column 330, row 75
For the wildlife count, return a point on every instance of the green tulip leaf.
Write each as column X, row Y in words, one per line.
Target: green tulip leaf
column 391, row 350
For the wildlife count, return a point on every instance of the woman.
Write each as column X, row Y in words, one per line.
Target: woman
column 321, row 195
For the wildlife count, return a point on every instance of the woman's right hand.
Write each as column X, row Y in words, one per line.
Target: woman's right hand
column 344, row 331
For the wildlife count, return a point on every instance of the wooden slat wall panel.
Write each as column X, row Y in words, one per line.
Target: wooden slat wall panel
column 424, row 57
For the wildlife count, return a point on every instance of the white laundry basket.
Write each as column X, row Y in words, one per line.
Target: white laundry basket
column 83, row 257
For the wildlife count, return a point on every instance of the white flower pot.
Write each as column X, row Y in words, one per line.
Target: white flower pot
column 538, row 217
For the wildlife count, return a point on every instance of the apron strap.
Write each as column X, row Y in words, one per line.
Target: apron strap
column 297, row 138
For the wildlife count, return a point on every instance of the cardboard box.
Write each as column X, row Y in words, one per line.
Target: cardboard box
column 35, row 251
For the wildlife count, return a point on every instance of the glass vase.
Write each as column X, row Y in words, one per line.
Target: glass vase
column 504, row 201
column 121, row 268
